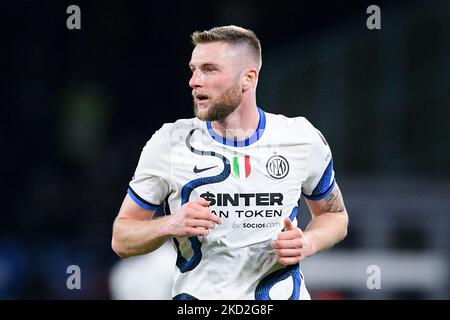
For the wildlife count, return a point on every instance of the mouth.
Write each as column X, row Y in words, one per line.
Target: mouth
column 201, row 98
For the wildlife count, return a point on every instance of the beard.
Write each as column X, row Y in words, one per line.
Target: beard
column 221, row 106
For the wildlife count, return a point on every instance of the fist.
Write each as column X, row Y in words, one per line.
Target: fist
column 193, row 219
column 290, row 244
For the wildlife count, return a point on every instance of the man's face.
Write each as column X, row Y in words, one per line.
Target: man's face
column 215, row 81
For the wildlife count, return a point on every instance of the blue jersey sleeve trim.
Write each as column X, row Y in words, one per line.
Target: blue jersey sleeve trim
column 320, row 196
column 141, row 202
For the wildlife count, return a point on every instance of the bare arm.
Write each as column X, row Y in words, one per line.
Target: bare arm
column 329, row 222
column 136, row 233
column 327, row 227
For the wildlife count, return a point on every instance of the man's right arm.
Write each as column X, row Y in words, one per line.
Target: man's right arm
column 136, row 233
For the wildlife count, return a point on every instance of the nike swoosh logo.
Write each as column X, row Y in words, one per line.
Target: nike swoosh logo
column 203, row 169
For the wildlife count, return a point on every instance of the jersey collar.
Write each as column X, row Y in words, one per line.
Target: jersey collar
column 240, row 143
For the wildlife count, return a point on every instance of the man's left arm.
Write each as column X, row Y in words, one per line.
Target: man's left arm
column 327, row 227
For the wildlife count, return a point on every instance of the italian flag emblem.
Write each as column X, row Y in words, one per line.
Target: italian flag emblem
column 241, row 166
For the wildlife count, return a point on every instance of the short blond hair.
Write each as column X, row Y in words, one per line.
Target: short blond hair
column 233, row 35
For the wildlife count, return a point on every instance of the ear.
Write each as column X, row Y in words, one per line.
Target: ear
column 250, row 78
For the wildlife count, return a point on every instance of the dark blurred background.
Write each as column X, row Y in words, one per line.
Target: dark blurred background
column 79, row 105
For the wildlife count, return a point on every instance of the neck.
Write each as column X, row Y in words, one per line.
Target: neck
column 240, row 124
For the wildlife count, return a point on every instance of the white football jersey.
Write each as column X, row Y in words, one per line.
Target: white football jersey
column 252, row 185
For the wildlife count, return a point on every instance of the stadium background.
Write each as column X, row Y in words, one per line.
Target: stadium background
column 78, row 106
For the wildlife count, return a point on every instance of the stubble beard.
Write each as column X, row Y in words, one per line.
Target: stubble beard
column 221, row 106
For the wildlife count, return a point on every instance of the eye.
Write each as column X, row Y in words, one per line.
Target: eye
column 209, row 69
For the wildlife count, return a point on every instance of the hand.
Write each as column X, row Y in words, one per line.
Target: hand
column 290, row 244
column 193, row 219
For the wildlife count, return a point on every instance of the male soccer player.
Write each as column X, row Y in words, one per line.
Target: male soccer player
column 229, row 181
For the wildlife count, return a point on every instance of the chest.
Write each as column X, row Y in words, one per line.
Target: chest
column 264, row 168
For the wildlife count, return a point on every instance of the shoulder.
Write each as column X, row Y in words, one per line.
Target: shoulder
column 296, row 125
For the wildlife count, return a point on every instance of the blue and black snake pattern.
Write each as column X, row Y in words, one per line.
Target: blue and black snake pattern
column 184, row 296
column 293, row 271
column 182, row 263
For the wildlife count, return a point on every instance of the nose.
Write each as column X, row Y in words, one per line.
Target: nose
column 196, row 80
